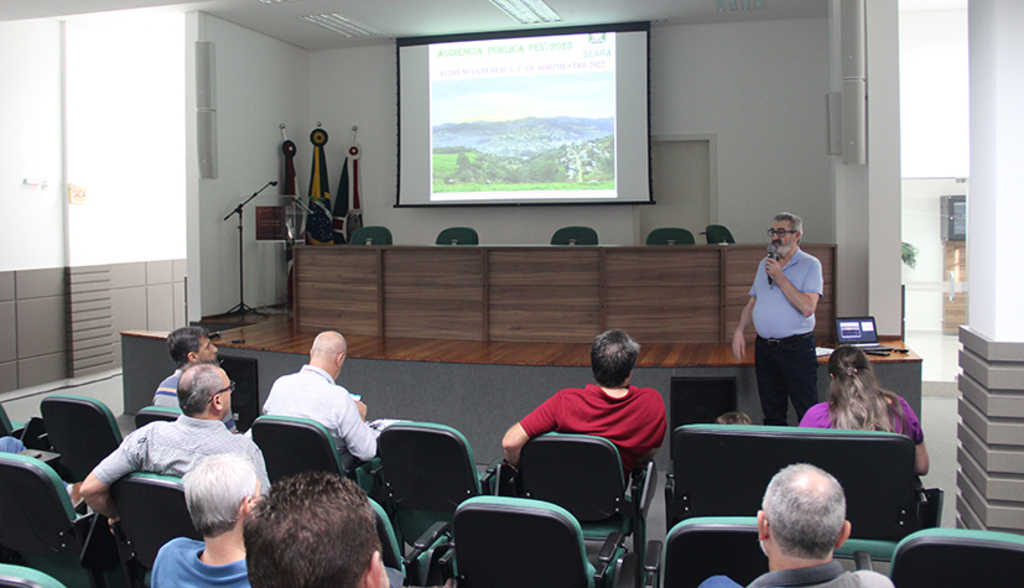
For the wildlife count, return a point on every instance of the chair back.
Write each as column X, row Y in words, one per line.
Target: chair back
column 149, row 414
column 701, row 547
column 716, row 234
column 574, row 236
column 293, row 445
column 7, row 426
column 36, row 517
column 391, row 549
column 940, row 558
column 371, row 235
column 153, row 511
column 580, row 473
column 427, row 466
column 458, row 236
column 670, row 236
column 22, row 577
column 82, row 430
column 723, row 470
column 514, row 542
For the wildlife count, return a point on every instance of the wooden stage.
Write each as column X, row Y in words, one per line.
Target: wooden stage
column 480, row 388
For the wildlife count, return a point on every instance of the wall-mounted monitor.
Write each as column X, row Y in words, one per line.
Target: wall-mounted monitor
column 552, row 116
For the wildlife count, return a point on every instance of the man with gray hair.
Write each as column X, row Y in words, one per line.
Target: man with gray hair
column 312, row 393
column 783, row 299
column 801, row 521
column 172, row 448
column 220, row 492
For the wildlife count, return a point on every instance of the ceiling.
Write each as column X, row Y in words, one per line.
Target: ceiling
column 409, row 18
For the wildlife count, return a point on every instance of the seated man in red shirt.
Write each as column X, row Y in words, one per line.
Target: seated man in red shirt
column 632, row 418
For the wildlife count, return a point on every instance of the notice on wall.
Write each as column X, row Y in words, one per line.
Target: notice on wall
column 76, row 194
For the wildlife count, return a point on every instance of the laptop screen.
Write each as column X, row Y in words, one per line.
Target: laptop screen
column 856, row 330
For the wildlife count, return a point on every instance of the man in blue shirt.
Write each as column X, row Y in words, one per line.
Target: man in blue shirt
column 220, row 491
column 782, row 302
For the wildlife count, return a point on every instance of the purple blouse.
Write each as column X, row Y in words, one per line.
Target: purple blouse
column 817, row 417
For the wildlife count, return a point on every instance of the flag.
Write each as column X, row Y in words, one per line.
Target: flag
column 320, row 228
column 341, row 205
column 288, row 189
column 355, row 215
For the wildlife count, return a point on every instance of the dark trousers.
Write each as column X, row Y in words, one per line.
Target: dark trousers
column 787, row 369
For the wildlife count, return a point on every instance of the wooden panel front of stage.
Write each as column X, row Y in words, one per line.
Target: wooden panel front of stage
column 659, row 294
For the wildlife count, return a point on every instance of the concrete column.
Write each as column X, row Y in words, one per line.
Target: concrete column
column 991, row 456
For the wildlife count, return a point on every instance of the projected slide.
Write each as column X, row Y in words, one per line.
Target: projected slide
column 529, row 118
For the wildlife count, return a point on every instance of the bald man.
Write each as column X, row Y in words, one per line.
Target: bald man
column 313, row 394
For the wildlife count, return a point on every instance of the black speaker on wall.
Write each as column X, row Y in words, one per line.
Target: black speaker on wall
column 245, row 400
column 700, row 400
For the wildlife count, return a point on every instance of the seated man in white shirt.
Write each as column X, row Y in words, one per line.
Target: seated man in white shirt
column 312, row 393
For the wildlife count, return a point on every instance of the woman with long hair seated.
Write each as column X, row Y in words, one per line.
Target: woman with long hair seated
column 856, row 402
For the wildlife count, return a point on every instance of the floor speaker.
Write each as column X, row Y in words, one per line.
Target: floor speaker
column 245, row 400
column 700, row 400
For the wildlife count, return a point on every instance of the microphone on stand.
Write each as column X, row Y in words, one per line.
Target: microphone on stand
column 273, row 182
column 771, row 255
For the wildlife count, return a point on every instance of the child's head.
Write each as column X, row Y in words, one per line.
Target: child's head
column 734, row 418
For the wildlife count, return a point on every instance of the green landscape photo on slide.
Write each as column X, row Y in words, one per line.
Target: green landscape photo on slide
column 524, row 133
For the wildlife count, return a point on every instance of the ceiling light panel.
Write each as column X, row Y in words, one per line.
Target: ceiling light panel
column 342, row 25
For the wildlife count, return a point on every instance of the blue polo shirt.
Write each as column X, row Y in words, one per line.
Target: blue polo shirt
column 774, row 317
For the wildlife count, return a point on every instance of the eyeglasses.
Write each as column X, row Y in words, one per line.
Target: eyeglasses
column 779, row 232
column 230, row 388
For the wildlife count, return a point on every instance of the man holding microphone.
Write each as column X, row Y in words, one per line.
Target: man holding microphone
column 783, row 299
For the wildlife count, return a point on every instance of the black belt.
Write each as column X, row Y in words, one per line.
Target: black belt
column 786, row 340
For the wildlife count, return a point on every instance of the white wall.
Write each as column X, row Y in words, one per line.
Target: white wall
column 31, row 219
column 934, row 94
column 126, row 137
column 261, row 83
column 760, row 87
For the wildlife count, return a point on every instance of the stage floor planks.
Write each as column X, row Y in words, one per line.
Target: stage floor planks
column 280, row 334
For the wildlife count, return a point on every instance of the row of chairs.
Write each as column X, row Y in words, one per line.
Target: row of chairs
column 575, row 235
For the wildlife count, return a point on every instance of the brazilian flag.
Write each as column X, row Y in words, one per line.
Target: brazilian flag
column 320, row 227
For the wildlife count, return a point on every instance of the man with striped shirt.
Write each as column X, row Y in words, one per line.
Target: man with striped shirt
column 187, row 345
column 172, row 448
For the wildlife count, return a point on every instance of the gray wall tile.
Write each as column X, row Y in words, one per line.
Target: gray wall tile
column 180, row 269
column 8, row 332
column 39, row 283
column 42, row 324
column 128, row 275
column 129, row 305
column 8, row 376
column 6, row 286
column 160, row 307
column 42, row 369
column 159, row 272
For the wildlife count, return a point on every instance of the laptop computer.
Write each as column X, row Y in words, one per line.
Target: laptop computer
column 859, row 331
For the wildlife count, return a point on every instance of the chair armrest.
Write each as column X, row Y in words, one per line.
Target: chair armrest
column 862, row 560
column 929, row 507
column 652, row 564
column 489, row 476
column 431, row 535
column 644, row 493
column 506, row 479
column 612, row 545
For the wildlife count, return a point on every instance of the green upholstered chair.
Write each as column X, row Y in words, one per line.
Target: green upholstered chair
column 504, row 541
column 415, row 565
column 583, row 474
column 883, row 498
column 574, row 236
column 427, row 470
column 941, row 558
column 458, row 236
column 148, row 414
column 7, row 426
column 82, row 430
column 716, row 234
column 701, row 547
column 22, row 577
column 372, row 235
column 153, row 511
column 670, row 236
column 39, row 524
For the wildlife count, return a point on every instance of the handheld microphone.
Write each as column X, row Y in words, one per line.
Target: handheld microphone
column 771, row 255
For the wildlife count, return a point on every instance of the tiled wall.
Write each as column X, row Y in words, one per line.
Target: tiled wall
column 990, row 479
column 63, row 322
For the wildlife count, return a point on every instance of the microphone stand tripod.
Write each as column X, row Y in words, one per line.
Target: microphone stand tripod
column 242, row 308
